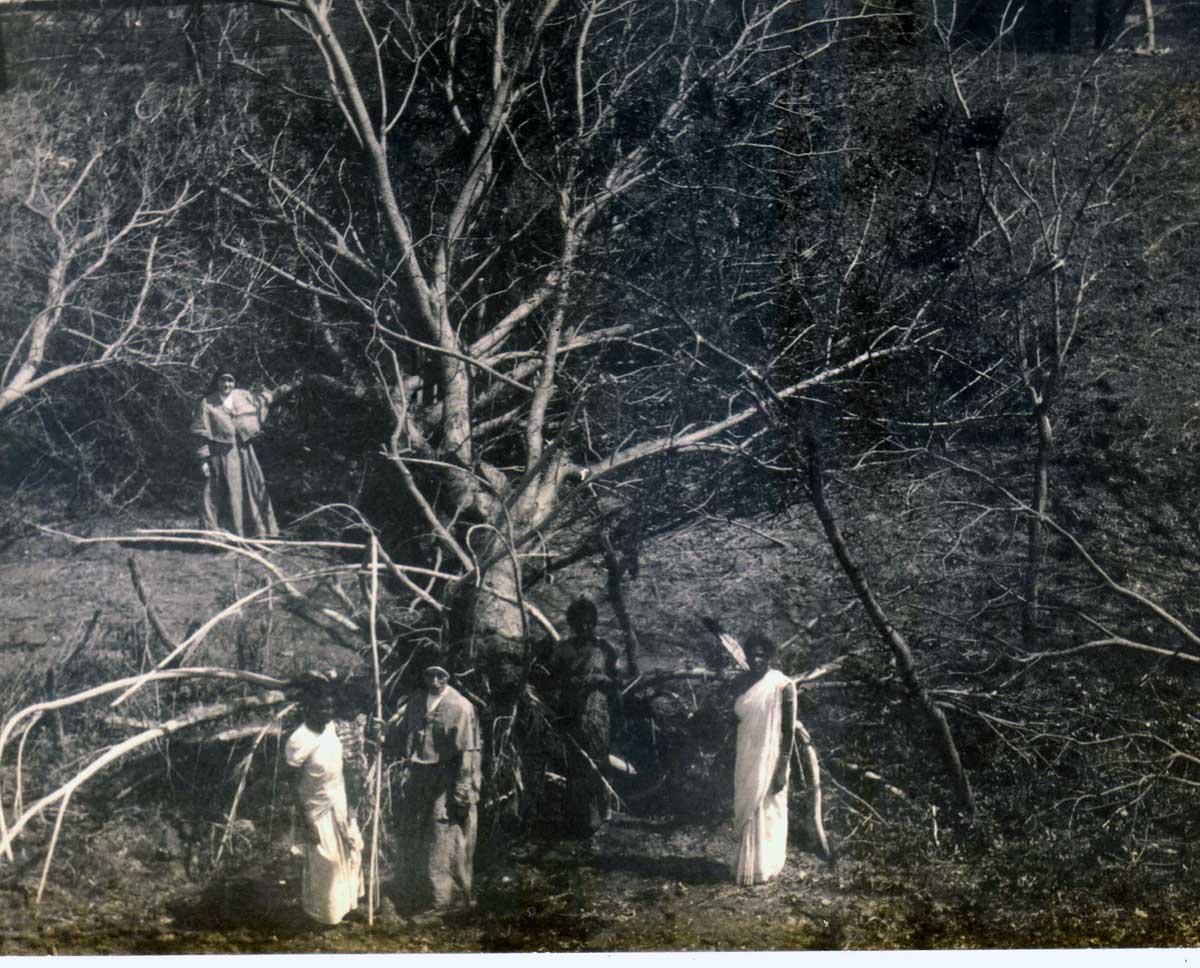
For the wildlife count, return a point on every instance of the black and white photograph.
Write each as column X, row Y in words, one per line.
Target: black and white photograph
column 611, row 476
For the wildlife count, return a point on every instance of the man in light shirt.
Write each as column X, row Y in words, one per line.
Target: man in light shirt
column 440, row 745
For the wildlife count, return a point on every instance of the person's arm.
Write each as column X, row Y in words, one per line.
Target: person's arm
column 467, row 766
column 262, row 404
column 308, row 830
column 787, row 738
column 614, row 666
column 389, row 734
column 248, row 412
column 200, row 434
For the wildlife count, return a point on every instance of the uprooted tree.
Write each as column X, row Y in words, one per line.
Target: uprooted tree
column 517, row 231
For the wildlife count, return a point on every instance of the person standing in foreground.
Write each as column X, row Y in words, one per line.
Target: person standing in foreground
column 235, row 491
column 441, row 749
column 766, row 712
column 332, row 881
column 584, row 672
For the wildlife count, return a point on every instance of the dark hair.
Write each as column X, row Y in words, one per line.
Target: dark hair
column 580, row 609
column 313, row 686
column 219, row 372
column 758, row 641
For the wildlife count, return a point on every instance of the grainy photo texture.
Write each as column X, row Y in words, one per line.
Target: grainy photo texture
column 598, row 475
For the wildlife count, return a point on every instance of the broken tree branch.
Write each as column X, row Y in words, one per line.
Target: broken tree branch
column 811, row 769
column 896, row 643
column 192, row 718
column 151, row 613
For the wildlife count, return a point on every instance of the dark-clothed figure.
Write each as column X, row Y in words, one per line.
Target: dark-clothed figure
column 441, row 747
column 235, row 492
column 583, row 670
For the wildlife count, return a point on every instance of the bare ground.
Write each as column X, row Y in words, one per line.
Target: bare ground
column 644, row 884
column 123, row 884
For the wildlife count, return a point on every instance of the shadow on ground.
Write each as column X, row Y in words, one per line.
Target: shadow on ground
column 265, row 903
column 692, row 871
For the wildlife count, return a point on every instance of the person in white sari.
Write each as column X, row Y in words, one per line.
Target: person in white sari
column 766, row 712
column 332, row 881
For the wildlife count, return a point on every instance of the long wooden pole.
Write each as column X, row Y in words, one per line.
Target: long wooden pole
column 374, row 869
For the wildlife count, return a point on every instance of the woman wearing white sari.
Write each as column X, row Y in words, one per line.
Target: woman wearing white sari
column 766, row 712
column 332, row 880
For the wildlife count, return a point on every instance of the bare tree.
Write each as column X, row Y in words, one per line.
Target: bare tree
column 505, row 228
column 1050, row 197
column 92, row 275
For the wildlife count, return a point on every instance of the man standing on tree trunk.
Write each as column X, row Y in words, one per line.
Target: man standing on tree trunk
column 441, row 751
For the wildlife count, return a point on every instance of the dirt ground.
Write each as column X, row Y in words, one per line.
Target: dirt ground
column 53, row 585
column 645, row 882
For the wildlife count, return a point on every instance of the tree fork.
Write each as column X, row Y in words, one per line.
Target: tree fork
column 896, row 642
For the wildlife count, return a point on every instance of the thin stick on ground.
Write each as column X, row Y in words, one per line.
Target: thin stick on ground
column 247, row 761
column 62, row 810
column 152, row 616
column 18, row 795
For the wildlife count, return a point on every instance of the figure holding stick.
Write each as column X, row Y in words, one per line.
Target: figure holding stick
column 440, row 746
column 235, row 496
